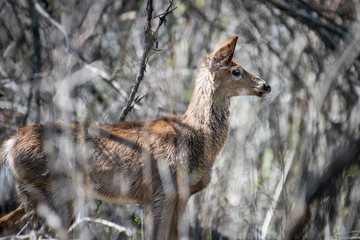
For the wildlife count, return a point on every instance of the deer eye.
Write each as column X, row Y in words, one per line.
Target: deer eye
column 236, row 72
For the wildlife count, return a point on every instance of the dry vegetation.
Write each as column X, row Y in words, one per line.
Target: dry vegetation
column 290, row 168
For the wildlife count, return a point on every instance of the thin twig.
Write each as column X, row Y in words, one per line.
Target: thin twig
column 21, row 230
column 97, row 220
column 150, row 39
column 162, row 17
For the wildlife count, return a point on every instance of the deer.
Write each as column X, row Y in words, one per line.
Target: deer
column 159, row 163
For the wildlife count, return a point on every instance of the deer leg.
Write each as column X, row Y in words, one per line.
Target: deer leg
column 179, row 209
column 162, row 212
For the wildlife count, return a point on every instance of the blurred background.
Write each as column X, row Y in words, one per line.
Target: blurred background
column 291, row 164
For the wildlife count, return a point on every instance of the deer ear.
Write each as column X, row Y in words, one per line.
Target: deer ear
column 223, row 55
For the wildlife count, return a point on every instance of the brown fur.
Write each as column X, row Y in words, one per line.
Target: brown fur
column 157, row 163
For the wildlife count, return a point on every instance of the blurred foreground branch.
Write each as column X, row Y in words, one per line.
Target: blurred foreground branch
column 344, row 58
column 150, row 40
column 312, row 17
column 36, row 67
column 316, row 190
column 43, row 13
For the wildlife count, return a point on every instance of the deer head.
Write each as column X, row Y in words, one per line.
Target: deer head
column 229, row 78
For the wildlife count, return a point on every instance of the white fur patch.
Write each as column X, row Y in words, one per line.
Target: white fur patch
column 6, row 172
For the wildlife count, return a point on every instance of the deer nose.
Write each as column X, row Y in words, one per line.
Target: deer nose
column 267, row 87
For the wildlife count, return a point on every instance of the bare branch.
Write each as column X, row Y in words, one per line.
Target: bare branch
column 150, row 39
column 162, row 17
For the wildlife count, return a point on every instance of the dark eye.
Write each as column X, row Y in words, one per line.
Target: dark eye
column 236, row 72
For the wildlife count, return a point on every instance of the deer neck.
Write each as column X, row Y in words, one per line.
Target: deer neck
column 208, row 111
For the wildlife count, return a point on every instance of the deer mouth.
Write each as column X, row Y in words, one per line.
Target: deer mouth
column 262, row 94
column 264, row 90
